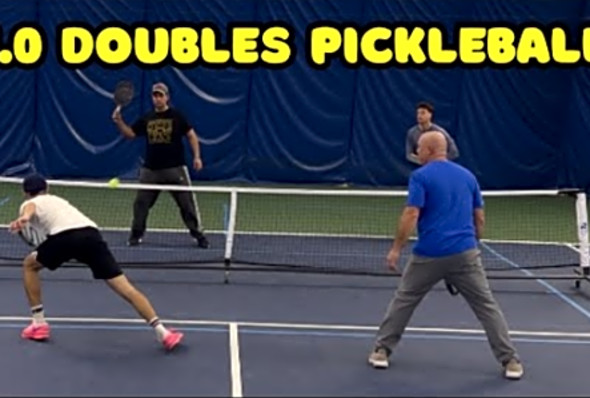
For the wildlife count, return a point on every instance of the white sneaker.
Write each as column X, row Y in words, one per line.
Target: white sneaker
column 513, row 369
column 379, row 359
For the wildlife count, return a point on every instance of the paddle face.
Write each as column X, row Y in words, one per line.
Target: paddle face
column 123, row 93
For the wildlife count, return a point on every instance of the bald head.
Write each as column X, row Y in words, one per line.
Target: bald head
column 432, row 145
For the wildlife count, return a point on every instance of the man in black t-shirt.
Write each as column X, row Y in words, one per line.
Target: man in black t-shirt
column 164, row 129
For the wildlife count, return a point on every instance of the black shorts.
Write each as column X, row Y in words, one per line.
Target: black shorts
column 84, row 245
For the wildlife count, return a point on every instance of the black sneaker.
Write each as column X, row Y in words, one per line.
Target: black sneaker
column 202, row 242
column 133, row 241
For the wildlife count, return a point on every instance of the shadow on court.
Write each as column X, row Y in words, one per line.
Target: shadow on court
column 296, row 335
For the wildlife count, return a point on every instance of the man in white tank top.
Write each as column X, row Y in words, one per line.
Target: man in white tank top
column 68, row 234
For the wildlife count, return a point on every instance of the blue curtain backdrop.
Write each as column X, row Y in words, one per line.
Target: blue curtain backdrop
column 516, row 129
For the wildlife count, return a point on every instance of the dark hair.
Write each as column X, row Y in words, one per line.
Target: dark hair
column 425, row 105
column 34, row 184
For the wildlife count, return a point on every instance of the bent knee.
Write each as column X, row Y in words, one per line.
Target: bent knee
column 484, row 300
column 30, row 263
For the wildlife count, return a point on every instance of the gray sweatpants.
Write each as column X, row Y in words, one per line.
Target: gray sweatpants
column 146, row 198
column 465, row 271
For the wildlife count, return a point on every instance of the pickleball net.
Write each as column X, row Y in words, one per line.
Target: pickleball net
column 338, row 231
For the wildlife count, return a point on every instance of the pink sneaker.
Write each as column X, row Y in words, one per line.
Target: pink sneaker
column 36, row 332
column 172, row 339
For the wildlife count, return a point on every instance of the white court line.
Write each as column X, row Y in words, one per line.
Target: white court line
column 236, row 367
column 300, row 326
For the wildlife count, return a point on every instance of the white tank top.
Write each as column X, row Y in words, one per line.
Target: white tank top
column 54, row 215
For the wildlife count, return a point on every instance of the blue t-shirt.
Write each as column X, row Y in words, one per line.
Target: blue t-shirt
column 447, row 194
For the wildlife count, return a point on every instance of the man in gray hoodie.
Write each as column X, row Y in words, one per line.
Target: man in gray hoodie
column 424, row 113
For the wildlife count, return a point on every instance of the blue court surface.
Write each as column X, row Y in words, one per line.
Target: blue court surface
column 270, row 334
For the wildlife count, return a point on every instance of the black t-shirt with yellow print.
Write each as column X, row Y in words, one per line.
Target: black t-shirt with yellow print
column 164, row 132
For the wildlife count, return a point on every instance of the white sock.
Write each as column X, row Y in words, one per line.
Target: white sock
column 38, row 314
column 161, row 331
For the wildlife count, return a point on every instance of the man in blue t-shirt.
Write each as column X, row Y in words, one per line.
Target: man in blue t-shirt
column 445, row 202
